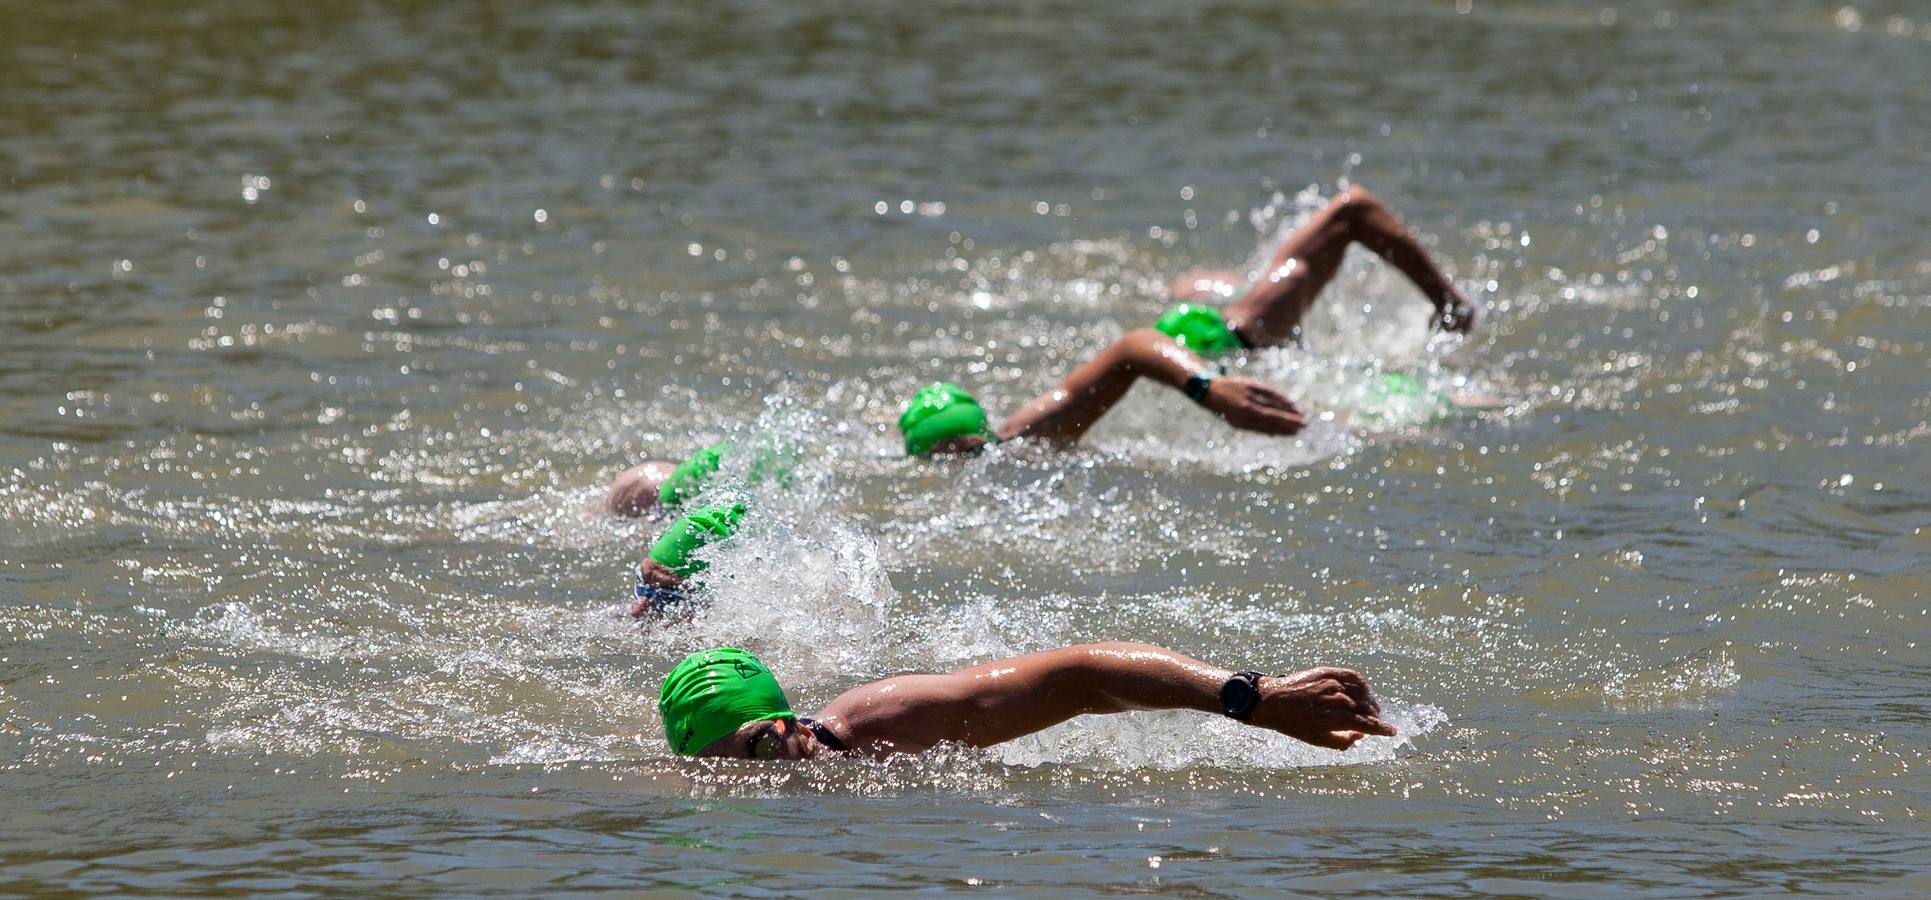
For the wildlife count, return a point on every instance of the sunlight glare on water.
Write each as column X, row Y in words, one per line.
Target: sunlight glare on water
column 324, row 326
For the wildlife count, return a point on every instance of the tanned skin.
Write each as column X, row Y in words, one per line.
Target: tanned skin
column 1266, row 316
column 633, row 494
column 1010, row 698
column 1061, row 416
column 1308, row 260
column 1064, row 414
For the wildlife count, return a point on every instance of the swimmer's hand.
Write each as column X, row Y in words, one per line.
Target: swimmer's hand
column 1251, row 405
column 1326, row 707
column 1456, row 314
column 656, row 575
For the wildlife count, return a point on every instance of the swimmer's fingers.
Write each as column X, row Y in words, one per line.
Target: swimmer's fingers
column 1336, row 740
column 1343, row 739
column 657, row 574
column 1273, row 399
column 1350, row 683
column 1328, row 707
column 1458, row 315
column 1289, row 423
column 1254, row 406
column 1288, row 416
column 1264, row 394
column 1374, row 725
column 1366, row 723
column 1356, row 688
column 1276, row 421
column 1347, row 735
column 1354, row 714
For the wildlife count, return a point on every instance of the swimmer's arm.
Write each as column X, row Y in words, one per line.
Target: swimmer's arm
column 1064, row 414
column 999, row 701
column 656, row 575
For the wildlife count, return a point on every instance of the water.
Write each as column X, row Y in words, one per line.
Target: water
column 324, row 323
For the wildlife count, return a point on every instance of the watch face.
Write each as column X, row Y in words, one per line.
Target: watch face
column 1237, row 697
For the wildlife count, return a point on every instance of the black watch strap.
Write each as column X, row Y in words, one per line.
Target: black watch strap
column 1240, row 694
column 1197, row 386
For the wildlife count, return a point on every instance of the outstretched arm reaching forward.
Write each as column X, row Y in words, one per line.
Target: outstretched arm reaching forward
column 999, row 701
column 1064, row 414
column 1310, row 257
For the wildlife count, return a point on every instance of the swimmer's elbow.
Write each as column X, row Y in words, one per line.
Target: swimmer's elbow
column 1137, row 350
column 1145, row 339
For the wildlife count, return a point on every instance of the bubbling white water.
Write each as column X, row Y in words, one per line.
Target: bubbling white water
column 806, row 583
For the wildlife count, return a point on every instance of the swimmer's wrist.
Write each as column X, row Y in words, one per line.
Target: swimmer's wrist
column 1240, row 694
column 1199, row 384
column 660, row 598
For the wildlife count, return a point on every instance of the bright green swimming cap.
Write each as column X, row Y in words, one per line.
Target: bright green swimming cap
column 693, row 531
column 1201, row 329
column 688, row 478
column 1400, row 396
column 941, row 412
column 1395, row 384
column 715, row 692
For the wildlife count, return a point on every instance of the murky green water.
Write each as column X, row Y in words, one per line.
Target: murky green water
column 321, row 324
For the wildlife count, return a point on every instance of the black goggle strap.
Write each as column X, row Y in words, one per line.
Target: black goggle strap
column 824, row 734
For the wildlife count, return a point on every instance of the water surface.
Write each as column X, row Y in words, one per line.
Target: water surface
column 322, row 325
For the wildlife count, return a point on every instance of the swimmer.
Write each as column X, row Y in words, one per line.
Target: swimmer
column 650, row 487
column 635, row 492
column 725, row 703
column 655, row 485
column 664, row 576
column 944, row 419
column 1268, row 313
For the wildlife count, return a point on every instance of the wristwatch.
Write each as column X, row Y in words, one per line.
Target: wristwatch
column 1197, row 386
column 1239, row 695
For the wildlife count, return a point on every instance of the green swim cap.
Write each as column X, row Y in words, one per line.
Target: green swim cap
column 693, row 531
column 1395, row 384
column 772, row 459
column 940, row 412
column 1399, row 396
column 688, row 478
column 715, row 692
column 1201, row 329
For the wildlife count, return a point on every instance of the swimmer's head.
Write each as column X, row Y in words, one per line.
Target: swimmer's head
column 943, row 418
column 715, row 693
column 1201, row 329
column 635, row 492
